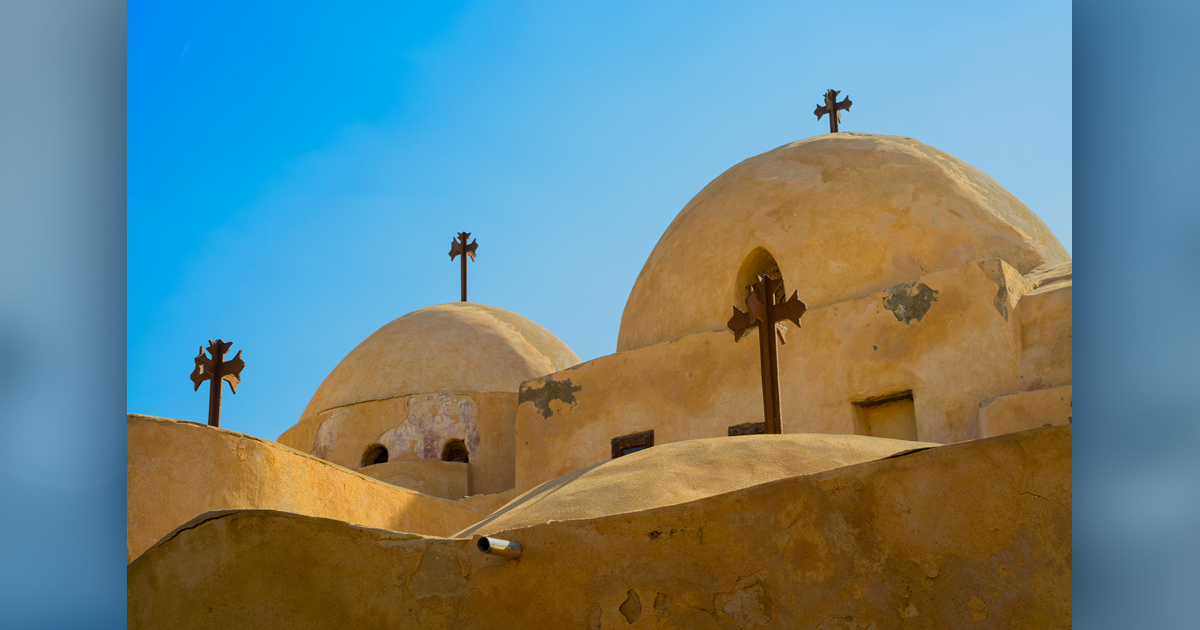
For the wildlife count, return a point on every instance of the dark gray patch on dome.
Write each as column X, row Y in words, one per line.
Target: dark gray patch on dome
column 562, row 391
column 909, row 301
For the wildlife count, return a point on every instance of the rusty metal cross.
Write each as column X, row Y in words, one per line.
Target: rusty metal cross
column 769, row 317
column 833, row 108
column 459, row 247
column 215, row 370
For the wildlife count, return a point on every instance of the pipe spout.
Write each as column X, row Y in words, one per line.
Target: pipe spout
column 498, row 547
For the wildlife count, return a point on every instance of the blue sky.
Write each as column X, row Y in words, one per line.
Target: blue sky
column 297, row 170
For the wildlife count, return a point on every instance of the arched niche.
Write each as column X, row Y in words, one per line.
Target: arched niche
column 375, row 454
column 456, row 451
column 758, row 262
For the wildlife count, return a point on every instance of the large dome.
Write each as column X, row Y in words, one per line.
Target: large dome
column 457, row 347
column 679, row 472
column 839, row 216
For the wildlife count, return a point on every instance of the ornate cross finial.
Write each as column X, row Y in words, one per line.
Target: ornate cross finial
column 833, row 108
column 769, row 317
column 459, row 247
column 215, row 370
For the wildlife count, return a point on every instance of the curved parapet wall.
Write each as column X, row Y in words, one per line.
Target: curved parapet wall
column 976, row 534
column 179, row 470
column 684, row 471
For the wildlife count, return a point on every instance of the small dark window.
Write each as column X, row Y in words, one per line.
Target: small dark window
column 632, row 443
column 748, row 428
column 456, row 451
column 375, row 454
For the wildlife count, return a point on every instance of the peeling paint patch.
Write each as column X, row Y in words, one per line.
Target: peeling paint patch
column 432, row 420
column 662, row 602
column 909, row 301
column 632, row 608
column 562, row 391
column 327, row 437
column 995, row 272
column 749, row 604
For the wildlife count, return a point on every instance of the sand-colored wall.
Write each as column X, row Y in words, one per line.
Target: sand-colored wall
column 843, row 215
column 971, row 535
column 1046, row 325
column 418, row 427
column 178, row 470
column 1019, row 411
column 953, row 338
column 447, row 480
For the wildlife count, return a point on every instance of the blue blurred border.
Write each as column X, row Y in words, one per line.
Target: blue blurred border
column 62, row 339
column 62, row 313
column 1137, row 294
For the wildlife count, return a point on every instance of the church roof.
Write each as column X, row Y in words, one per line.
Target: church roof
column 841, row 216
column 461, row 347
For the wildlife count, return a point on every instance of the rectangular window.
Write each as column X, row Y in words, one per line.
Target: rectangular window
column 632, row 443
column 891, row 416
column 748, row 428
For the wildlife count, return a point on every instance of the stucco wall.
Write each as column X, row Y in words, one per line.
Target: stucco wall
column 418, row 427
column 178, row 470
column 972, row 535
column 436, row 478
column 952, row 338
column 1019, row 411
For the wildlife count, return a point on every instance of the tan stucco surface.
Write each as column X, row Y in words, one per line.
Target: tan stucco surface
column 418, row 427
column 971, row 535
column 1019, row 411
column 446, row 372
column 447, row 480
column 178, row 470
column 843, row 216
column 970, row 339
column 490, row 502
column 456, row 347
column 683, row 471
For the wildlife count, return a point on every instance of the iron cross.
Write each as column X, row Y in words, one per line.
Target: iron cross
column 769, row 317
column 215, row 370
column 459, row 247
column 833, row 108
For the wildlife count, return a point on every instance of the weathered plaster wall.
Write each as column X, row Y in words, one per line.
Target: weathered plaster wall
column 1046, row 336
column 1008, row 413
column 444, row 372
column 178, row 470
column 952, row 337
column 971, row 535
column 843, row 216
column 418, row 427
column 447, row 480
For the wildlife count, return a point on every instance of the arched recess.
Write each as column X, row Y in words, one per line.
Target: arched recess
column 456, row 451
column 375, row 454
column 758, row 262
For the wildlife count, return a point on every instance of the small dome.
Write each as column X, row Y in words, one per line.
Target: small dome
column 839, row 216
column 459, row 347
column 679, row 472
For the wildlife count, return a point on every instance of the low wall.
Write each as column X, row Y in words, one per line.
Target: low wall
column 178, row 470
column 446, row 480
column 976, row 534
